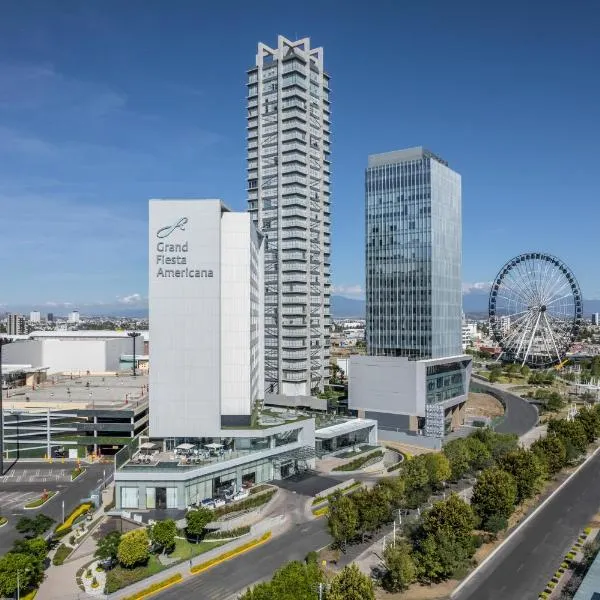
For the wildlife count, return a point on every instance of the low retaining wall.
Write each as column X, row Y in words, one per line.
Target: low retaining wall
column 340, row 486
column 247, row 518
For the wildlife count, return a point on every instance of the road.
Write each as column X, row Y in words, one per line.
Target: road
column 29, row 478
column 520, row 416
column 527, row 562
column 227, row 579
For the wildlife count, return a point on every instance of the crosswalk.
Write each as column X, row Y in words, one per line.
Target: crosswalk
column 11, row 501
column 36, row 475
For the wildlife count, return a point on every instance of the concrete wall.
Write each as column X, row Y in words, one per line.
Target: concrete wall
column 386, row 384
column 235, row 315
column 413, row 440
column 23, row 352
column 118, row 346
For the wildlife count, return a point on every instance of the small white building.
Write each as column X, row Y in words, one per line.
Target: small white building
column 73, row 351
column 35, row 316
column 74, row 317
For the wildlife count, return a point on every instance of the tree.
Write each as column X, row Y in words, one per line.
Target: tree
column 343, row 519
column 527, row 470
column 392, row 489
column 416, row 481
column 401, row 570
column 590, row 422
column 35, row 546
column 29, row 567
column 108, row 546
column 438, row 558
column 570, row 431
column 438, row 468
column 453, row 517
column 495, row 493
column 133, row 548
column 351, row 584
column 34, row 527
column 480, row 456
column 551, row 450
column 296, row 580
column 495, row 524
column 261, row 591
column 457, row 453
column 369, row 515
column 163, row 533
column 494, row 376
column 499, row 444
column 197, row 520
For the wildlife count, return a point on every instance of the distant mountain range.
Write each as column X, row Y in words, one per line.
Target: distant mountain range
column 475, row 305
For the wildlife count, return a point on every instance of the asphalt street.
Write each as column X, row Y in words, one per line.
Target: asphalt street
column 520, row 416
column 526, row 563
column 227, row 579
column 27, row 480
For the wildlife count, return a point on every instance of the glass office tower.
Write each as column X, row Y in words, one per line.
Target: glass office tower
column 413, row 256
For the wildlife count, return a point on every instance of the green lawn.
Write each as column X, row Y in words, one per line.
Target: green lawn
column 183, row 548
column 120, row 577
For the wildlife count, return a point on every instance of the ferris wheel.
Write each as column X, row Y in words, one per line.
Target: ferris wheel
column 535, row 309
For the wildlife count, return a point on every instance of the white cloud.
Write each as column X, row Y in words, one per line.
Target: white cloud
column 476, row 288
column 54, row 304
column 132, row 299
column 351, row 291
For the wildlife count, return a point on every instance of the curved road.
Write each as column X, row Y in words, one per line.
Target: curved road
column 520, row 416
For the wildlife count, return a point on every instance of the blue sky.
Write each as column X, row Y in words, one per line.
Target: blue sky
column 106, row 104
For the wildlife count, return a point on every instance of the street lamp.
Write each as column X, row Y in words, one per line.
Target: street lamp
column 18, row 582
column 133, row 335
column 3, row 342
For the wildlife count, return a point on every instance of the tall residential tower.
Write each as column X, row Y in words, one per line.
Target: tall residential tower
column 415, row 378
column 289, row 199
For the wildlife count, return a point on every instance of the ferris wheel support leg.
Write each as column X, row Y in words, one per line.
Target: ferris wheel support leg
column 537, row 322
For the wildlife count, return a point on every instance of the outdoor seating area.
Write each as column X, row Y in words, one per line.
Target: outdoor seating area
column 184, row 456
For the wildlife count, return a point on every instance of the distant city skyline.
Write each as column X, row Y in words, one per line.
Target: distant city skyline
column 101, row 110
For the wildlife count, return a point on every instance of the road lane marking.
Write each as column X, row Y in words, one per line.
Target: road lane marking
column 517, row 529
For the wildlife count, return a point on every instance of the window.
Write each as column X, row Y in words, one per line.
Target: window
column 150, row 497
column 129, row 497
column 171, row 497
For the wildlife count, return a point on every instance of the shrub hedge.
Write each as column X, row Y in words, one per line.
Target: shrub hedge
column 232, row 533
column 247, row 504
column 61, row 554
column 65, row 527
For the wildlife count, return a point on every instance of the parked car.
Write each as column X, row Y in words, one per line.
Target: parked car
column 241, row 495
column 207, row 503
column 218, row 502
column 59, row 452
column 108, row 563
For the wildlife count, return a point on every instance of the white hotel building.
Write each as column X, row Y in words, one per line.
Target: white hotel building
column 206, row 377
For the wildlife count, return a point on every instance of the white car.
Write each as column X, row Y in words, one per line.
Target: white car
column 218, row 502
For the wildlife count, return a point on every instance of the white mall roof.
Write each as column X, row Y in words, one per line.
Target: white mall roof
column 327, row 433
column 7, row 369
column 84, row 333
